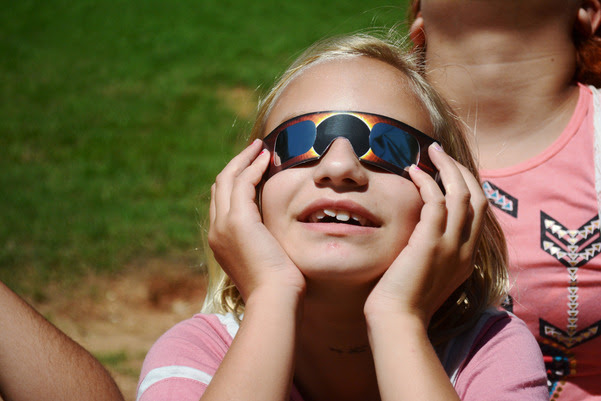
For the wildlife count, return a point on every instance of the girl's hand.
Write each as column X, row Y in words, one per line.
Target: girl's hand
column 242, row 245
column 440, row 252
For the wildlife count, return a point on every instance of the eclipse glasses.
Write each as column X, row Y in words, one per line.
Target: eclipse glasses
column 376, row 140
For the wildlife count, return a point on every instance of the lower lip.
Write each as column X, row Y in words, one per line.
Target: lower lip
column 339, row 229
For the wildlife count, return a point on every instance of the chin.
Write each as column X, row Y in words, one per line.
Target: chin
column 346, row 270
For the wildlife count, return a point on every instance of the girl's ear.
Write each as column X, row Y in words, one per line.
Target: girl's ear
column 589, row 17
column 416, row 31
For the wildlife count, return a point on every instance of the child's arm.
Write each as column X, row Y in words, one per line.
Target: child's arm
column 406, row 364
column 39, row 362
column 437, row 259
column 259, row 364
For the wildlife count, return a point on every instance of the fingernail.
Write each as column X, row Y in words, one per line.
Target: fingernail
column 263, row 151
column 253, row 142
column 437, row 146
column 415, row 167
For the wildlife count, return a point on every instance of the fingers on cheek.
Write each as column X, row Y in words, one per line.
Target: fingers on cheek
column 213, row 236
column 479, row 212
column 244, row 189
column 478, row 201
column 435, row 215
column 451, row 176
column 474, row 223
column 224, row 232
column 466, row 233
column 434, row 212
column 220, row 202
column 458, row 200
column 220, row 210
column 259, row 166
column 222, row 185
column 428, row 189
column 244, row 159
column 251, row 151
column 418, row 176
column 458, row 194
column 437, row 154
column 232, row 192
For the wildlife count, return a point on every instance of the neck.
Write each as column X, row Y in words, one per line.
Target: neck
column 509, row 78
column 334, row 360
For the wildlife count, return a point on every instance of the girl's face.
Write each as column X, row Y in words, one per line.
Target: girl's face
column 382, row 207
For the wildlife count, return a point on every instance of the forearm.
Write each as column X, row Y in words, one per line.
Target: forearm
column 259, row 365
column 407, row 366
column 38, row 361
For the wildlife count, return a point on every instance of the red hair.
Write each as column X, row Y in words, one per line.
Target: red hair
column 588, row 58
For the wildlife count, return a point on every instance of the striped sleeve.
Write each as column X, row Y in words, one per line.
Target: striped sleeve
column 180, row 365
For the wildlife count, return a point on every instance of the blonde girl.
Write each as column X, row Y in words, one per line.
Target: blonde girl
column 360, row 261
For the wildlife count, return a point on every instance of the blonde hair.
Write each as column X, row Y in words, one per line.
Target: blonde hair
column 488, row 282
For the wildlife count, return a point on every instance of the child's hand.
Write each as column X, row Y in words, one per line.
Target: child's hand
column 440, row 252
column 242, row 245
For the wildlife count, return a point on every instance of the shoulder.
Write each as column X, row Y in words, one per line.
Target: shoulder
column 595, row 98
column 208, row 333
column 187, row 356
column 504, row 362
column 596, row 102
column 505, row 330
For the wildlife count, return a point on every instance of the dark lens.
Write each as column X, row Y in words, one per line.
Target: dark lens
column 394, row 145
column 345, row 125
column 294, row 141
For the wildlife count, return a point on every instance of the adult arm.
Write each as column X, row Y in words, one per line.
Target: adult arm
column 40, row 362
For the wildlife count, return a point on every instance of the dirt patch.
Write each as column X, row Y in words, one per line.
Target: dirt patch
column 242, row 101
column 118, row 318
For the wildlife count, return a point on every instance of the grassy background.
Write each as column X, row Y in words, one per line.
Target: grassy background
column 115, row 117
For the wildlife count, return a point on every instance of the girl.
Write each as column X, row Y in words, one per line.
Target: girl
column 518, row 73
column 363, row 258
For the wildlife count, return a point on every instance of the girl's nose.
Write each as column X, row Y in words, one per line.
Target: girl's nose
column 339, row 166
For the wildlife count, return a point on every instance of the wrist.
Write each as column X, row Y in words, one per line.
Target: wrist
column 386, row 317
column 276, row 296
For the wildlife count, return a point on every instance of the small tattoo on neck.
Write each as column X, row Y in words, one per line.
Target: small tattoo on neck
column 350, row 350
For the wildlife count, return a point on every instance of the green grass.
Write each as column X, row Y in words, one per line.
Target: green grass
column 115, row 117
column 122, row 362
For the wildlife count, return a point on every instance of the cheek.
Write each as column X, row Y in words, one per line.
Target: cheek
column 267, row 199
column 407, row 206
column 276, row 195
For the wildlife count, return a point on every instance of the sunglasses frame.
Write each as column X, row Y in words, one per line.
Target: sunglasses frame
column 370, row 119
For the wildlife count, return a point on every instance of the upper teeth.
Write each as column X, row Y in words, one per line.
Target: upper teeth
column 340, row 215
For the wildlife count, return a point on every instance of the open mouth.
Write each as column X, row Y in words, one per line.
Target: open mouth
column 339, row 216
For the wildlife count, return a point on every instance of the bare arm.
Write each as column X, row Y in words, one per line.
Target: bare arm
column 259, row 365
column 437, row 259
column 406, row 364
column 39, row 362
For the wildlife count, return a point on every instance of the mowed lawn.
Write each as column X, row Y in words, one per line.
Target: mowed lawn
column 115, row 117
